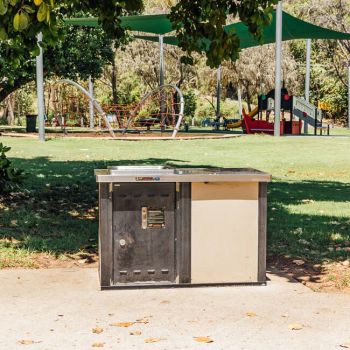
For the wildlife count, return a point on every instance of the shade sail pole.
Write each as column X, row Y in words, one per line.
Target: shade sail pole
column 307, row 77
column 240, row 106
column 40, row 89
column 161, row 81
column 278, row 69
column 91, row 103
column 308, row 70
column 349, row 96
column 161, row 60
column 218, row 92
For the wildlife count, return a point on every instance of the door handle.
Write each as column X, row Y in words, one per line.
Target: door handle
column 144, row 218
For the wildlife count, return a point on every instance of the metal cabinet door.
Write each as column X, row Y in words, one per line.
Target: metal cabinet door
column 144, row 232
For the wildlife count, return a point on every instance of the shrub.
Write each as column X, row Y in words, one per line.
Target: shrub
column 10, row 176
column 205, row 110
column 3, row 121
column 129, row 89
column 190, row 103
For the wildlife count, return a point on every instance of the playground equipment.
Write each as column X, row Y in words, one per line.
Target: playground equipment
column 253, row 126
column 299, row 110
column 310, row 115
column 97, row 106
column 233, row 124
column 161, row 108
column 69, row 109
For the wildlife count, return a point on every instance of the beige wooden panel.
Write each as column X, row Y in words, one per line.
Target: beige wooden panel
column 224, row 238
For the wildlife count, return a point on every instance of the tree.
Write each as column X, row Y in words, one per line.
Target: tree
column 136, row 71
column 196, row 22
column 200, row 24
column 143, row 58
column 23, row 20
column 254, row 72
column 82, row 53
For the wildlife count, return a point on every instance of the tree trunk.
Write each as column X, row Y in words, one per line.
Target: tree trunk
column 49, row 91
column 114, row 82
column 10, row 114
column 249, row 101
column 6, row 90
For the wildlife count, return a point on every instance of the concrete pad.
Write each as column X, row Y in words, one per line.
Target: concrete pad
column 58, row 309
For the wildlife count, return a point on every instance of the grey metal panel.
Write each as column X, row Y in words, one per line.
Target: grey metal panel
column 183, row 233
column 182, row 175
column 262, row 232
column 105, row 235
column 162, row 285
column 143, row 254
column 185, row 178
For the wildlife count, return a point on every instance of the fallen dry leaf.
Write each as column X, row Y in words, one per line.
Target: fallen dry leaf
column 251, row 314
column 295, row 326
column 122, row 324
column 26, row 342
column 345, row 345
column 97, row 330
column 152, row 340
column 299, row 262
column 135, row 333
column 14, row 223
column 98, row 345
column 307, row 201
column 203, row 339
column 142, row 320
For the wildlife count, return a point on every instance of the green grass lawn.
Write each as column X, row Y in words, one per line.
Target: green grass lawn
column 334, row 131
column 56, row 210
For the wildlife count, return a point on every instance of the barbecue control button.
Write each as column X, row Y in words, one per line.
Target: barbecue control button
column 122, row 243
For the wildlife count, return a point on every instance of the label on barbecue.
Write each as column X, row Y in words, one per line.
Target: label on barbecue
column 147, row 178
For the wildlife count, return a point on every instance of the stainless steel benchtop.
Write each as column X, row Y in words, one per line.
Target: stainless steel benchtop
column 164, row 174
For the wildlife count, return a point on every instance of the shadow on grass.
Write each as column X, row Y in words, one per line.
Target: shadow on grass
column 57, row 211
column 309, row 219
column 57, row 208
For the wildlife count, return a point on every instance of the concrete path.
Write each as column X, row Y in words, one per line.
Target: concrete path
column 57, row 309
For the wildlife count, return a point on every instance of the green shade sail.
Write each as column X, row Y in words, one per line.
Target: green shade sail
column 155, row 24
column 293, row 28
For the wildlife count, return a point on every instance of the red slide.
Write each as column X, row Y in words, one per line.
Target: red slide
column 259, row 126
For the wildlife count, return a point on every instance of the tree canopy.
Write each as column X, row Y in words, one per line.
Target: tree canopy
column 199, row 22
column 82, row 52
column 195, row 22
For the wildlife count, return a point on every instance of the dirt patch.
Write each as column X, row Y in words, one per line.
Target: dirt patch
column 67, row 261
column 48, row 261
column 327, row 277
column 58, row 135
column 126, row 137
